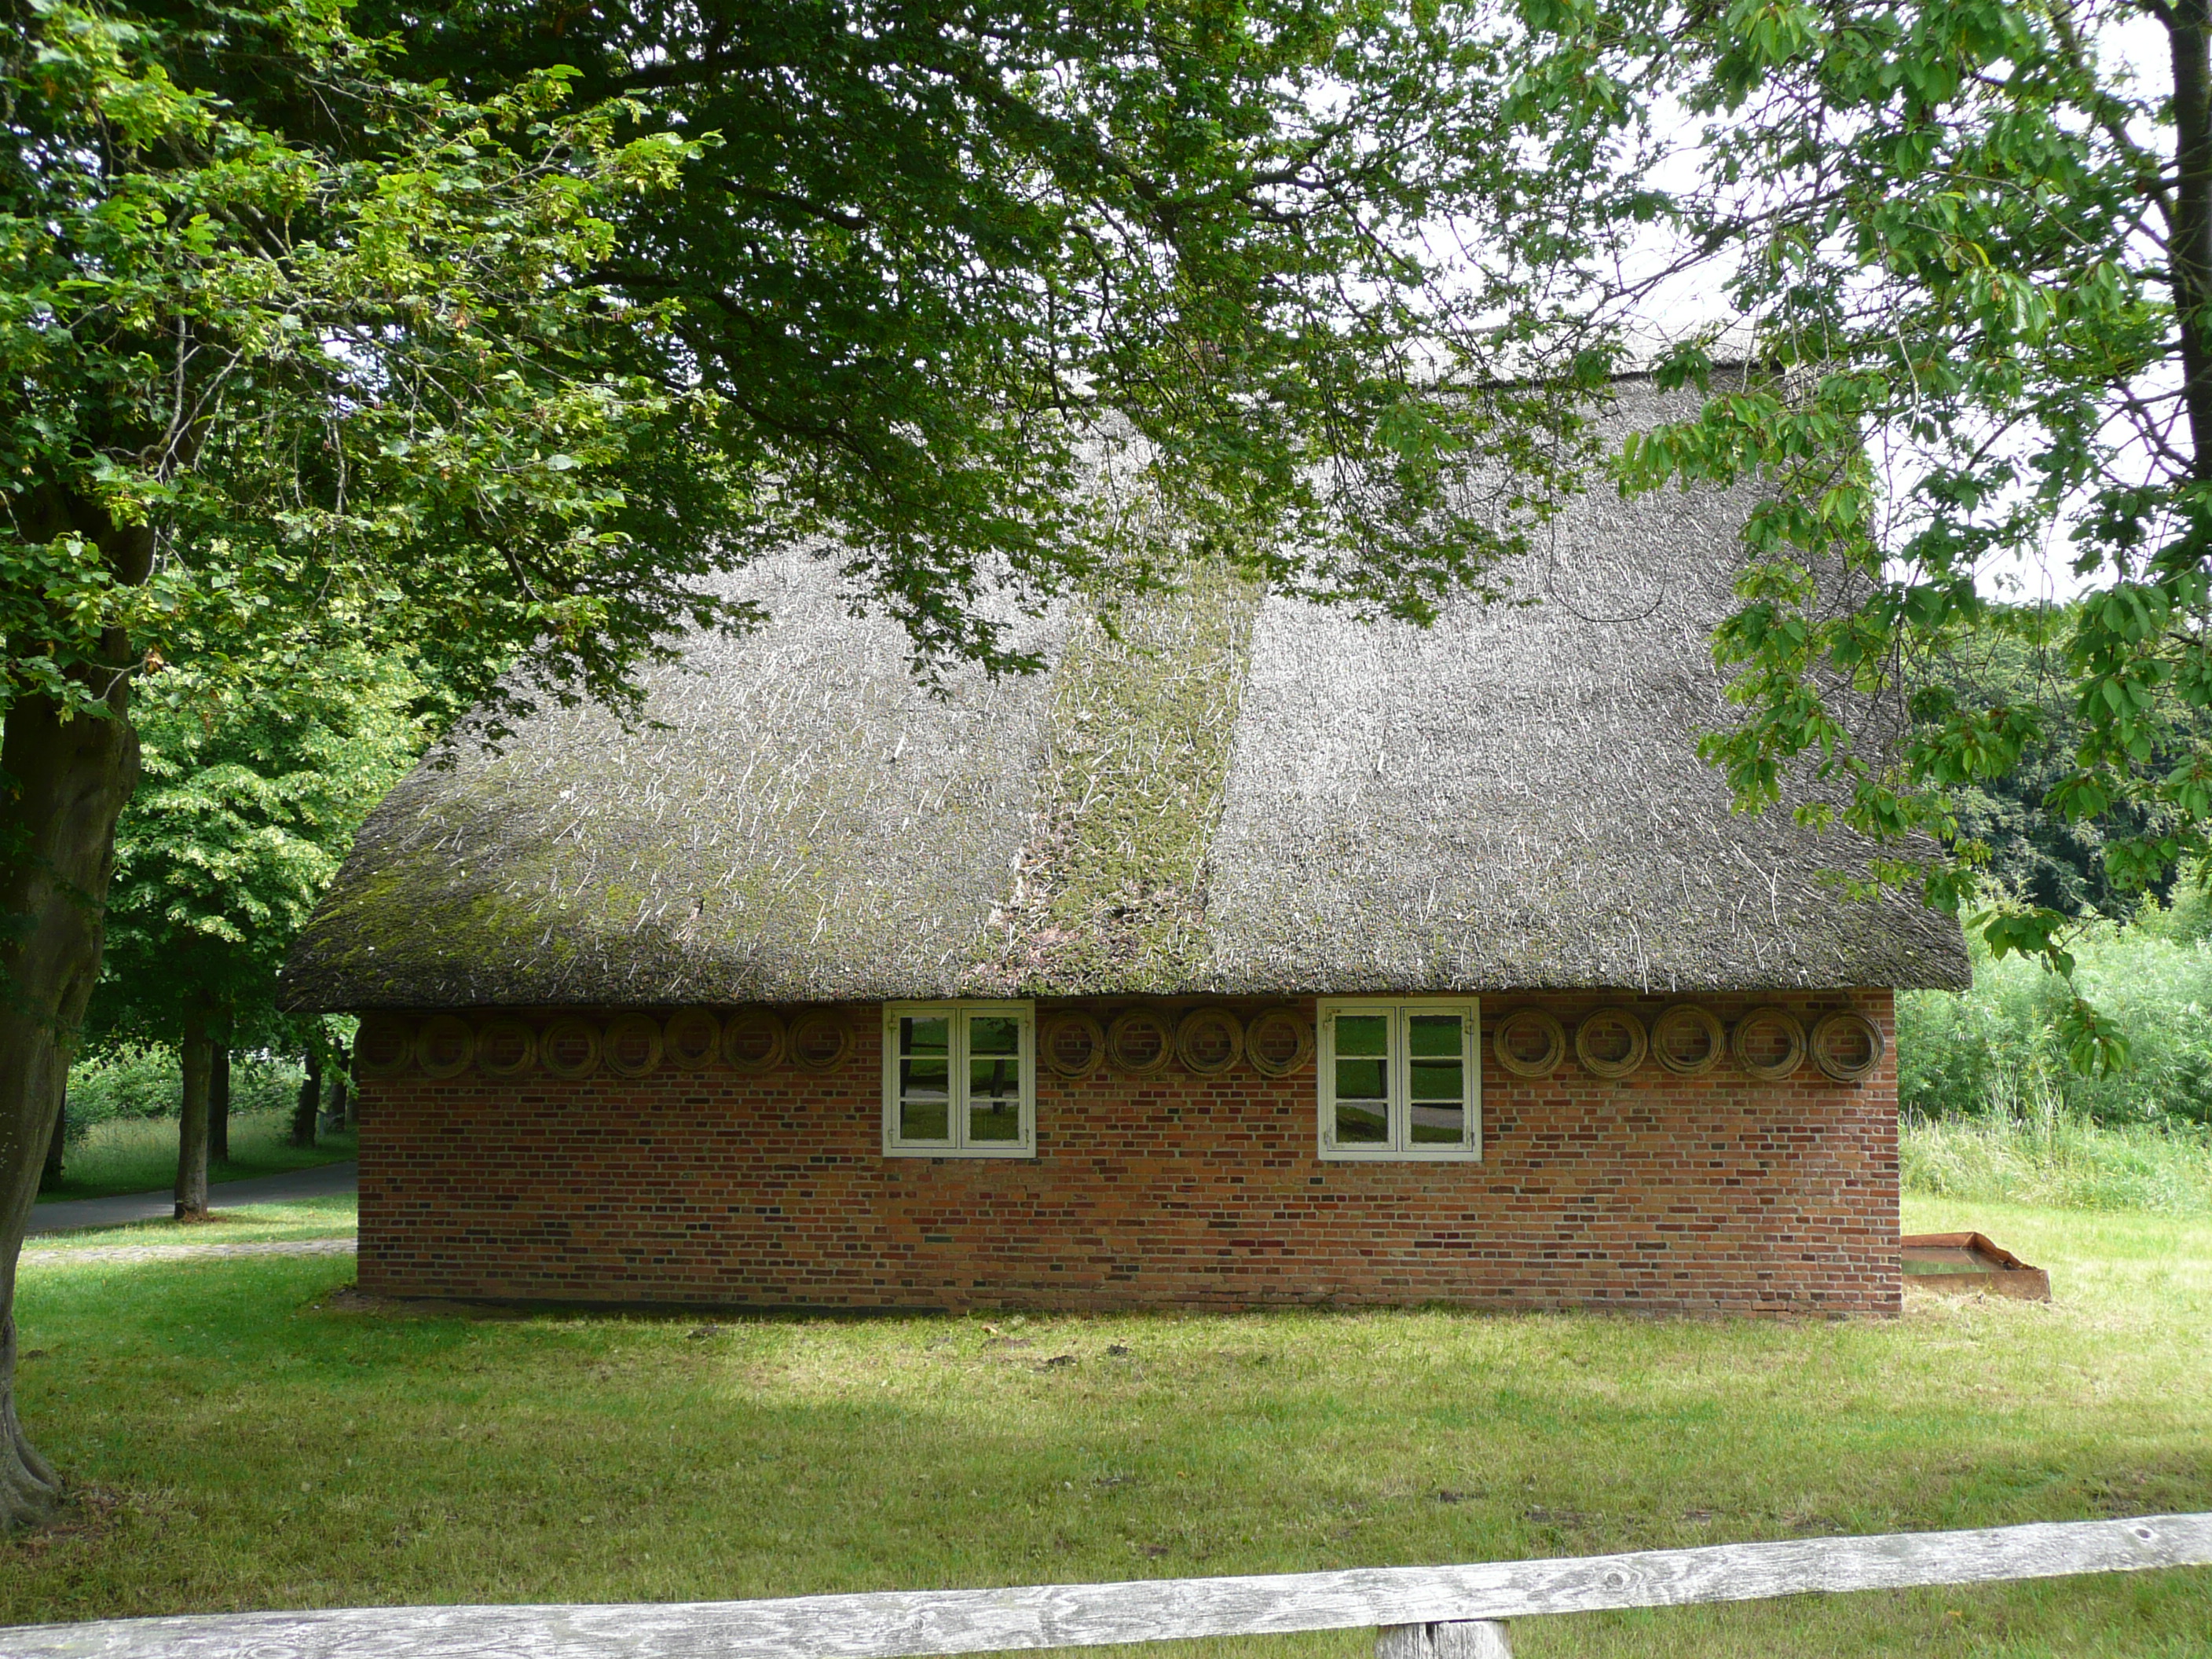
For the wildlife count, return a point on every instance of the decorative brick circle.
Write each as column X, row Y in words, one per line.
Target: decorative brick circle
column 384, row 1046
column 1611, row 1042
column 1688, row 1040
column 505, row 1048
column 1074, row 1044
column 691, row 1039
column 821, row 1040
column 753, row 1040
column 1768, row 1043
column 445, row 1046
column 569, row 1047
column 1140, row 1042
column 631, row 1045
column 1278, row 1043
column 1209, row 1041
column 1846, row 1045
column 1528, row 1042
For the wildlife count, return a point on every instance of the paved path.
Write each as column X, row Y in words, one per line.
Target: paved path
column 89, row 1254
column 325, row 1181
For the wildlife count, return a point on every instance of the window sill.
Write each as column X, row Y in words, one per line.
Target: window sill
column 1391, row 1155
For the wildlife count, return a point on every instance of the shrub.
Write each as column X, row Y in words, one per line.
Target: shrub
column 1984, row 1052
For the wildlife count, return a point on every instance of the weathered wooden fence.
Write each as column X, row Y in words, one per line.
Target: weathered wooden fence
column 1425, row 1612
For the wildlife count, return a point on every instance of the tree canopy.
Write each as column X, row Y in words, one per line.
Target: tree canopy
column 1964, row 248
column 311, row 352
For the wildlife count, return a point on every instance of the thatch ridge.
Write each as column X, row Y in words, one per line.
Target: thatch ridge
column 1510, row 800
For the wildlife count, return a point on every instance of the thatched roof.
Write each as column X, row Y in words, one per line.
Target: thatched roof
column 1239, row 794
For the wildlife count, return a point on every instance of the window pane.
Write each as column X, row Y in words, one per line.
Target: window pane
column 1359, row 1079
column 1438, row 1109
column 1434, row 1036
column 1362, row 1123
column 925, row 1100
column 993, row 1034
column 1363, row 1044
column 1363, row 1035
column 995, row 1099
column 932, row 1035
column 1438, row 1077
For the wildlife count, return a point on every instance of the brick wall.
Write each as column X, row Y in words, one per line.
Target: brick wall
column 1651, row 1193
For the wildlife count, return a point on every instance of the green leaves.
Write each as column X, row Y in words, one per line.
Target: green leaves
column 247, row 804
column 1945, row 229
column 350, row 381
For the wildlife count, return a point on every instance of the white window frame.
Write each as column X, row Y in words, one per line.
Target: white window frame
column 1398, row 1082
column 955, row 1012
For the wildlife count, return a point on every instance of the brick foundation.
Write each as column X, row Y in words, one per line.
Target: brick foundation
column 1654, row 1193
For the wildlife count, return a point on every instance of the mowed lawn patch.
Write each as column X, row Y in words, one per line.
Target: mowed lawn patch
column 335, row 1216
column 248, row 1437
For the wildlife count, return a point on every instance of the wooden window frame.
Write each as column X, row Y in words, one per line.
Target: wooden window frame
column 956, row 1011
column 1398, row 1088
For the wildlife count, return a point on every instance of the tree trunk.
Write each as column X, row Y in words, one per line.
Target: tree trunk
column 219, row 1104
column 2189, row 38
column 198, row 1053
column 56, row 1144
column 70, row 780
column 310, row 1101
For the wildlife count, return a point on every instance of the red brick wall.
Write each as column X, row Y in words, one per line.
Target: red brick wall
column 1651, row 1193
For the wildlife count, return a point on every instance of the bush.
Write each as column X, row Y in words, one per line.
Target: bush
column 135, row 1080
column 1987, row 1051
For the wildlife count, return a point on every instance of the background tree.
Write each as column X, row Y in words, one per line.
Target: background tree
column 246, row 805
column 2006, row 825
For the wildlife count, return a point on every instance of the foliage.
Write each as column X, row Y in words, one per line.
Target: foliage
column 2000, row 1049
column 1967, row 252
column 331, row 1452
column 245, row 806
column 2005, row 826
column 355, row 401
column 133, row 1081
column 947, row 253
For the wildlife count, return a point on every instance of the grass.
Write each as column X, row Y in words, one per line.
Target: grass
column 139, row 1155
column 335, row 1217
column 2061, row 1159
column 248, row 1437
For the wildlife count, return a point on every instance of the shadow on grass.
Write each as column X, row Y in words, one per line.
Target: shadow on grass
column 263, row 1437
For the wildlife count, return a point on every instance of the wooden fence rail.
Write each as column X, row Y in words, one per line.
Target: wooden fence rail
column 1426, row 1613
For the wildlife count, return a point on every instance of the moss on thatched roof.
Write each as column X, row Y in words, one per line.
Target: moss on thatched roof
column 1222, row 793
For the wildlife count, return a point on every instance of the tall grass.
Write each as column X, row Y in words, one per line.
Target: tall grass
column 1991, row 1112
column 144, row 1080
column 138, row 1154
column 2055, row 1158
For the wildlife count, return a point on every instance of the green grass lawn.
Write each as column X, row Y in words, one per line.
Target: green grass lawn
column 138, row 1154
column 246, row 1438
column 333, row 1216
